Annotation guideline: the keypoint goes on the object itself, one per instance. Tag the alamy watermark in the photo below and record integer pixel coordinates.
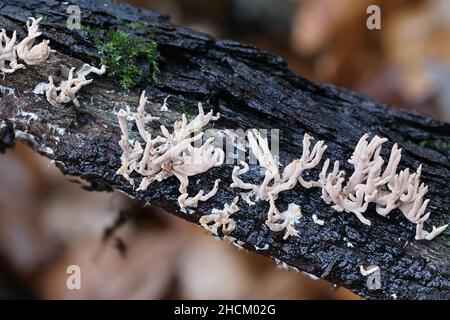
(373, 22)
(74, 19)
(234, 143)
(73, 281)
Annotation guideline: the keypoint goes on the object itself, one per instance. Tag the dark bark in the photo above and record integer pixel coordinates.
(251, 89)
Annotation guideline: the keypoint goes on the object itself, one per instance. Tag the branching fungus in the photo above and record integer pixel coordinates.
(66, 91)
(170, 154)
(8, 53)
(274, 182)
(29, 52)
(387, 189)
(221, 219)
(286, 220)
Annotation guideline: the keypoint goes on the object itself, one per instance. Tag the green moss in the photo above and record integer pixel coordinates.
(138, 25)
(189, 117)
(438, 143)
(443, 239)
(91, 30)
(45, 19)
(126, 55)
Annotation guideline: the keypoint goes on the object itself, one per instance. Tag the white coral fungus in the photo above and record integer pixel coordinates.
(318, 221)
(66, 91)
(26, 50)
(387, 189)
(171, 154)
(221, 219)
(8, 53)
(275, 182)
(286, 220)
(30, 52)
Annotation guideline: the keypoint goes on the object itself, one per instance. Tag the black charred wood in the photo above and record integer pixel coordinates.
(251, 89)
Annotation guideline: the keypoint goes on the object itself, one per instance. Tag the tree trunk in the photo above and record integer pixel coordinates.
(251, 89)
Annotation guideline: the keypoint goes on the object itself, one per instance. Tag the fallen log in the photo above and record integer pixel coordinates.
(251, 89)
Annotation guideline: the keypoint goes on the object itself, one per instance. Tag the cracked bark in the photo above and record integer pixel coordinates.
(251, 89)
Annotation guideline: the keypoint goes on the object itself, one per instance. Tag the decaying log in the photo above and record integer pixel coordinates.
(251, 89)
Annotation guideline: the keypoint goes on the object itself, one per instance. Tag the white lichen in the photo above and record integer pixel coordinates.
(29, 115)
(170, 154)
(275, 182)
(8, 91)
(56, 130)
(368, 184)
(221, 219)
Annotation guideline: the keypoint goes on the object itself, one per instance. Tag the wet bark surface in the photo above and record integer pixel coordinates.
(251, 89)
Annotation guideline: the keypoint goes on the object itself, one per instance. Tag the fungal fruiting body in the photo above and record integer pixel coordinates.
(30, 52)
(172, 154)
(33, 54)
(26, 50)
(275, 182)
(318, 221)
(8, 57)
(66, 91)
(286, 220)
(165, 106)
(368, 183)
(221, 219)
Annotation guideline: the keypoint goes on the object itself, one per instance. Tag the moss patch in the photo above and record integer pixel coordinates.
(140, 25)
(94, 31)
(184, 109)
(127, 56)
(444, 239)
(124, 55)
(434, 144)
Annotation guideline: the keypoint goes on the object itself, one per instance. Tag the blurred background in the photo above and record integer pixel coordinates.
(129, 251)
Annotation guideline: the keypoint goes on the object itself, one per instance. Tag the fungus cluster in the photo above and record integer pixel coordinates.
(275, 182)
(30, 52)
(221, 219)
(8, 56)
(172, 154)
(66, 91)
(370, 184)
(26, 50)
(33, 54)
